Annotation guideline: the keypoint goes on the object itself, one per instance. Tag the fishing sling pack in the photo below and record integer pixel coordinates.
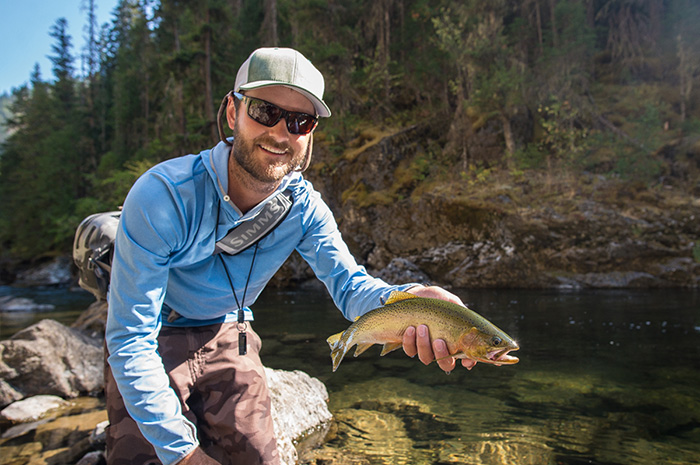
(93, 246)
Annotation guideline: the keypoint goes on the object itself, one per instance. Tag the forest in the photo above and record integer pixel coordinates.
(608, 87)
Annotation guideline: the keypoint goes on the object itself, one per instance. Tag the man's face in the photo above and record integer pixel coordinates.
(268, 154)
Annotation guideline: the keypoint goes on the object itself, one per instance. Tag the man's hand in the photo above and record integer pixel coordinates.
(417, 340)
(197, 457)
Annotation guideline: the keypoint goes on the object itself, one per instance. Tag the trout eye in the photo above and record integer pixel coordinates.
(496, 341)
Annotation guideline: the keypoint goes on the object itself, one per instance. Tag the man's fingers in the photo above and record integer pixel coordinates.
(409, 342)
(444, 361)
(468, 363)
(416, 341)
(425, 349)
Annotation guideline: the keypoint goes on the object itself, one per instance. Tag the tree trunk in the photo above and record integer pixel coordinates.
(509, 139)
(208, 92)
(268, 28)
(553, 23)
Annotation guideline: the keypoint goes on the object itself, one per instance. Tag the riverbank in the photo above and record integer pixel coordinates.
(493, 228)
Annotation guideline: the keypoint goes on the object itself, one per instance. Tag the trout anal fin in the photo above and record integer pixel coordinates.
(390, 347)
(362, 347)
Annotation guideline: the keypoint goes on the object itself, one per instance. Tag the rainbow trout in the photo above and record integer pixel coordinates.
(467, 334)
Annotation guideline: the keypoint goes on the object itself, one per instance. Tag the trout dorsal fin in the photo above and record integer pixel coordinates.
(398, 296)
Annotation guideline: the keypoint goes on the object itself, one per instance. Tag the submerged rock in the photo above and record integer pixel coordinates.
(22, 304)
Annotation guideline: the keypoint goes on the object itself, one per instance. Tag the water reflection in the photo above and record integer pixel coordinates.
(68, 304)
(605, 378)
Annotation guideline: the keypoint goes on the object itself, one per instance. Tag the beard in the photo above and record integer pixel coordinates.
(259, 169)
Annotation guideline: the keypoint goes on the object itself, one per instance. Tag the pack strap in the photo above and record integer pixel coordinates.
(250, 232)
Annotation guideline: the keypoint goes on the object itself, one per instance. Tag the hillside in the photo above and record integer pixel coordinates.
(522, 143)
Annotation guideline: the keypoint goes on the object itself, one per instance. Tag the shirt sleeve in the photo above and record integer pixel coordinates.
(353, 290)
(149, 228)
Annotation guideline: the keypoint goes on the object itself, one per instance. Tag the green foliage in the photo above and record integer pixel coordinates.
(638, 161)
(531, 157)
(563, 130)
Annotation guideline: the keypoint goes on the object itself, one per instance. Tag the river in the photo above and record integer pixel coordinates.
(605, 377)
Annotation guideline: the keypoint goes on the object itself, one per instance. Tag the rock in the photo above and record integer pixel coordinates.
(23, 428)
(22, 304)
(401, 270)
(31, 409)
(52, 273)
(617, 280)
(299, 408)
(93, 458)
(50, 358)
(8, 394)
(93, 320)
(98, 437)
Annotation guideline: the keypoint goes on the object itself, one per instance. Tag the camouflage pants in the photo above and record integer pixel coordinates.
(223, 394)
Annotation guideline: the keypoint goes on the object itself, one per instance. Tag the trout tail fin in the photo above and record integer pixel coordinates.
(337, 349)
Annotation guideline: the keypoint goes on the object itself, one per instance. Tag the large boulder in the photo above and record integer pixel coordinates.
(49, 358)
(299, 411)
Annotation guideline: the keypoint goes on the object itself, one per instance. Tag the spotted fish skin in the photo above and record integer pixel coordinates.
(466, 333)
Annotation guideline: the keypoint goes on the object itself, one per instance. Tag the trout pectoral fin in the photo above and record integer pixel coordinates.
(390, 347)
(457, 355)
(362, 347)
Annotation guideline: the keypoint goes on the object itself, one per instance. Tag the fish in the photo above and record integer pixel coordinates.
(466, 333)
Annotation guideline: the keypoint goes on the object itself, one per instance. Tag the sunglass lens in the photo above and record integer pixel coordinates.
(269, 114)
(300, 123)
(263, 112)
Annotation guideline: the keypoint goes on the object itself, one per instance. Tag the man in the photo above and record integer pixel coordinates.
(186, 384)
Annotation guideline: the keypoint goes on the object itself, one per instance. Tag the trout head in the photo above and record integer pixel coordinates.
(491, 346)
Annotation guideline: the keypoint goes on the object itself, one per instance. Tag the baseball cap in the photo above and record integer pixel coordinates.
(283, 67)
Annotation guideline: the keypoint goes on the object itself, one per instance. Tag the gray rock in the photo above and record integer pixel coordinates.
(31, 409)
(22, 304)
(93, 320)
(49, 358)
(92, 458)
(299, 407)
(401, 270)
(98, 437)
(52, 273)
(23, 428)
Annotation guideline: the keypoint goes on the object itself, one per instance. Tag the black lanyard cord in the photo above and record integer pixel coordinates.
(241, 318)
(241, 326)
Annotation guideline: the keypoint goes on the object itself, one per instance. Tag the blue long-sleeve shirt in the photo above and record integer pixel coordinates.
(163, 255)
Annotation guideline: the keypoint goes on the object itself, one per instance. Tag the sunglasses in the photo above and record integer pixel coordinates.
(268, 114)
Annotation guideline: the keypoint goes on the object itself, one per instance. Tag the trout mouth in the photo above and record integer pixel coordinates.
(501, 357)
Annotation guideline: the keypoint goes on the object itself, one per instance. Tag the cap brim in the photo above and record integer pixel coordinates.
(320, 106)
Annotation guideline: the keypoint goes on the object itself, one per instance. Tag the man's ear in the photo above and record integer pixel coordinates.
(226, 104)
(231, 111)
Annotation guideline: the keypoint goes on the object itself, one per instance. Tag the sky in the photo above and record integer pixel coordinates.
(25, 39)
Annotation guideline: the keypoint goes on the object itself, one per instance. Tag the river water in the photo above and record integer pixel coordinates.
(605, 377)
